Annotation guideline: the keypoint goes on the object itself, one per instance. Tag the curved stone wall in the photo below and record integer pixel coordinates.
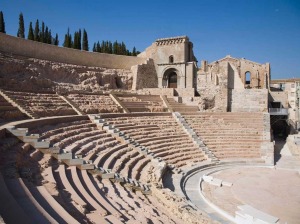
(28, 48)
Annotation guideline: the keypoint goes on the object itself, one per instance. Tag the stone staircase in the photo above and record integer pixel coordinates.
(196, 139)
(176, 106)
(119, 103)
(72, 104)
(22, 108)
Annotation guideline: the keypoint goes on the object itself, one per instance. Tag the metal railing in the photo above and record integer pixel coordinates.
(278, 111)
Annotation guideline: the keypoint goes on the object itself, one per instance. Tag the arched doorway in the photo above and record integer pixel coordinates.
(172, 80)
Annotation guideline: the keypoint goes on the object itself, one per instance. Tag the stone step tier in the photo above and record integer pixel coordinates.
(72, 160)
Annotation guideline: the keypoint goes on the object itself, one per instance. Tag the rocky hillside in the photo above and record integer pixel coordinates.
(29, 74)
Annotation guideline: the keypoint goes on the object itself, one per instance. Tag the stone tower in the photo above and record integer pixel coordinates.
(174, 60)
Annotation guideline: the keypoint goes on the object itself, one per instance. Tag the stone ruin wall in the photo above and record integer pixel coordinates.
(36, 75)
(221, 86)
(212, 86)
(145, 75)
(249, 100)
(32, 66)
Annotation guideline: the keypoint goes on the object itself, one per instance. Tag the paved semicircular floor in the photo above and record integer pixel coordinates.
(273, 191)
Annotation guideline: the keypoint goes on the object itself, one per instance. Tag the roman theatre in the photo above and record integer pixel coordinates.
(100, 138)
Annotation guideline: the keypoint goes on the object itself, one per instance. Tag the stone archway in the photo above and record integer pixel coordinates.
(171, 78)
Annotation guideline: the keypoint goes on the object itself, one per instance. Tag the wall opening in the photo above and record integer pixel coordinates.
(172, 80)
(171, 59)
(247, 78)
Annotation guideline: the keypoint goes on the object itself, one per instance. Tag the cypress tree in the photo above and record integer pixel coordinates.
(21, 30)
(65, 44)
(94, 48)
(123, 48)
(30, 32)
(68, 40)
(102, 46)
(2, 23)
(85, 42)
(56, 41)
(75, 46)
(48, 36)
(79, 39)
(43, 35)
(37, 31)
(98, 47)
(115, 47)
(134, 51)
(110, 47)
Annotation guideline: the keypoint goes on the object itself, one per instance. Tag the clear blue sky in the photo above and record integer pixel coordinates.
(258, 30)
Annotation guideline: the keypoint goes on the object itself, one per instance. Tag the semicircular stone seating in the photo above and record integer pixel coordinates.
(142, 103)
(161, 134)
(8, 112)
(229, 135)
(93, 104)
(83, 138)
(41, 104)
(58, 193)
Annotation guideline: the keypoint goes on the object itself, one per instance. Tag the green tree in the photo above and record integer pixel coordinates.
(21, 30)
(75, 45)
(48, 36)
(98, 47)
(123, 48)
(79, 39)
(56, 41)
(43, 35)
(94, 47)
(68, 40)
(115, 47)
(37, 31)
(110, 47)
(134, 51)
(85, 42)
(2, 23)
(30, 32)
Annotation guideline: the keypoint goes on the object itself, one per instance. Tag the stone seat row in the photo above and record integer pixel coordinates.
(95, 199)
(229, 135)
(93, 144)
(59, 153)
(164, 138)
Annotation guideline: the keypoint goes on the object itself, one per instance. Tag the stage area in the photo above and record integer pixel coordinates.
(273, 191)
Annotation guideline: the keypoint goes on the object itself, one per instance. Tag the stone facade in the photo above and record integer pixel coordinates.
(287, 91)
(144, 75)
(174, 60)
(169, 63)
(224, 82)
(248, 100)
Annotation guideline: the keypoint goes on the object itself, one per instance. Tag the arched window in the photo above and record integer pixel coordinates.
(171, 59)
(247, 78)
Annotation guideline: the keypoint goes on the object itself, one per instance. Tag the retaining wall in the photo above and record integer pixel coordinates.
(33, 49)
